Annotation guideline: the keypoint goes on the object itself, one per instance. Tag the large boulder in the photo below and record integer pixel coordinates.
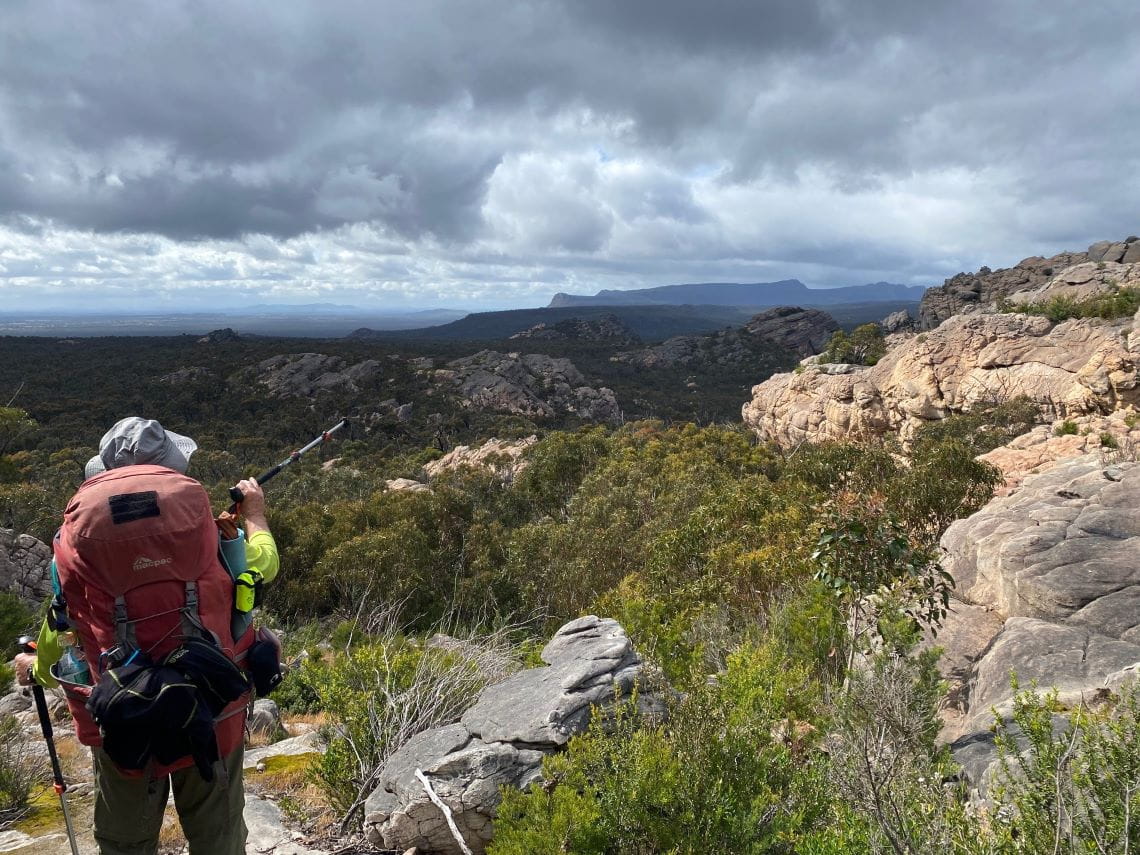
(609, 329)
(25, 567)
(531, 384)
(505, 458)
(501, 741)
(1055, 569)
(1071, 368)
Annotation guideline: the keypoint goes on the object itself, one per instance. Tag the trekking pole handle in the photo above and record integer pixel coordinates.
(236, 494)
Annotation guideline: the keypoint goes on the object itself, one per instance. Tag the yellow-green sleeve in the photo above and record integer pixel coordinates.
(261, 554)
(48, 652)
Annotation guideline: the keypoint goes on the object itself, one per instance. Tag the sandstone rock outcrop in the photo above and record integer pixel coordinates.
(304, 375)
(971, 293)
(25, 567)
(1057, 563)
(786, 328)
(182, 376)
(1072, 368)
(500, 741)
(608, 328)
(1081, 282)
(500, 456)
(530, 384)
(1113, 438)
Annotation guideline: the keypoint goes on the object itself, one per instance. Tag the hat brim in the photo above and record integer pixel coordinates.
(94, 467)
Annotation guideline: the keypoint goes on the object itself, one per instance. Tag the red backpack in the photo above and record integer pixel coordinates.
(137, 558)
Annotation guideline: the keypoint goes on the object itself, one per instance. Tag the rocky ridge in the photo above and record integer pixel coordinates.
(971, 293)
(788, 328)
(501, 741)
(530, 384)
(609, 329)
(1077, 367)
(304, 375)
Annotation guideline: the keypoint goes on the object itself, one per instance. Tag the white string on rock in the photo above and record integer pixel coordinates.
(446, 812)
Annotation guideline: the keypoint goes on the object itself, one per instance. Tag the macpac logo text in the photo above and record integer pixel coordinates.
(144, 563)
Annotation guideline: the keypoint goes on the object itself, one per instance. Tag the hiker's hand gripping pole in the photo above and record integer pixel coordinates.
(237, 494)
(27, 645)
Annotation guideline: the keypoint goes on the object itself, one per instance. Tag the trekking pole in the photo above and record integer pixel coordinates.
(27, 645)
(237, 495)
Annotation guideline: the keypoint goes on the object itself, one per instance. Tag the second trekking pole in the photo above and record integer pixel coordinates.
(28, 646)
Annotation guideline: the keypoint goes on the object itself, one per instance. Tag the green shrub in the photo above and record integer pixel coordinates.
(863, 555)
(1116, 303)
(720, 776)
(1066, 428)
(985, 427)
(1107, 440)
(16, 619)
(21, 770)
(865, 346)
(893, 789)
(1073, 789)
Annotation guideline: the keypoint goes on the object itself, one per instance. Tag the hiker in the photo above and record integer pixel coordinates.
(207, 785)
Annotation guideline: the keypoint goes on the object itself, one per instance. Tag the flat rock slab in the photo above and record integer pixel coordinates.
(267, 831)
(306, 743)
(1061, 544)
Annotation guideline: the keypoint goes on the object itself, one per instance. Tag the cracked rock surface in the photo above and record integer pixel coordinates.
(500, 741)
(530, 384)
(25, 567)
(1055, 568)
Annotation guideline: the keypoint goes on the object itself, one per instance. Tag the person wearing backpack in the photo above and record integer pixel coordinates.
(150, 608)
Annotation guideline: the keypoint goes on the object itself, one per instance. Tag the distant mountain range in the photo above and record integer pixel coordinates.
(650, 322)
(786, 292)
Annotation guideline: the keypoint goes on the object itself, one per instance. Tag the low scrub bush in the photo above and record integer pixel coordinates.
(21, 770)
(1073, 789)
(381, 693)
(721, 775)
(1117, 303)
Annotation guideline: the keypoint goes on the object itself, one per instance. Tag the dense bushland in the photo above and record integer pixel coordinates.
(751, 579)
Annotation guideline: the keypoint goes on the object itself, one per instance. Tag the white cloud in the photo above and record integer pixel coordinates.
(493, 153)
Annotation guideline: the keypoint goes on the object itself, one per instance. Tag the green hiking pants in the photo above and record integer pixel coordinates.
(128, 811)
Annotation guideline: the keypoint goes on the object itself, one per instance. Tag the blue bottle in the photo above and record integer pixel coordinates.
(72, 667)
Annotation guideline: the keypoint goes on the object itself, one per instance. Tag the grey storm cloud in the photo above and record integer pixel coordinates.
(576, 135)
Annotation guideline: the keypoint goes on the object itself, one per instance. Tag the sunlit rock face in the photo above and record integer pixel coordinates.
(1077, 367)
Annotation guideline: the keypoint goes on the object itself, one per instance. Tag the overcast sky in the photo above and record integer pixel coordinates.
(491, 153)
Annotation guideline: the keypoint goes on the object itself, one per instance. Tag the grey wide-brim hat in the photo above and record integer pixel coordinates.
(133, 440)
